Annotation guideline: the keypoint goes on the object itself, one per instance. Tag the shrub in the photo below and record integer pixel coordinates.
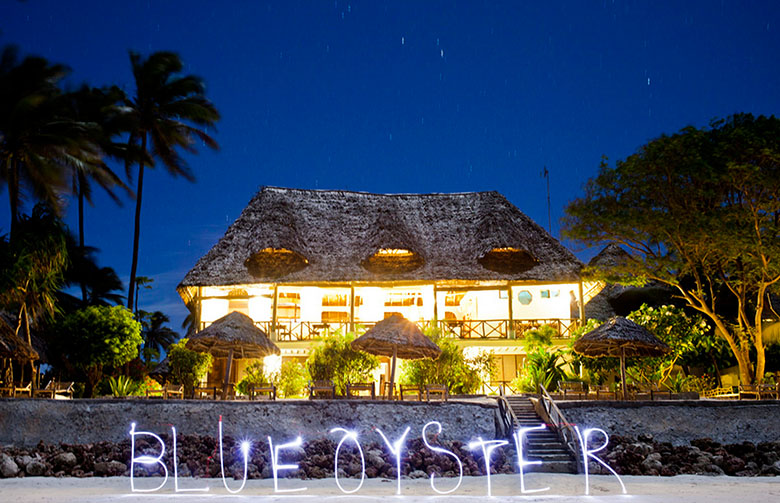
(461, 375)
(122, 386)
(292, 379)
(253, 376)
(335, 360)
(188, 367)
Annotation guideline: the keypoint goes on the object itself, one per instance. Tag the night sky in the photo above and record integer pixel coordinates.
(401, 96)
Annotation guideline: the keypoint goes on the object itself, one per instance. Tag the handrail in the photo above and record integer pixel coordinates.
(561, 425)
(506, 416)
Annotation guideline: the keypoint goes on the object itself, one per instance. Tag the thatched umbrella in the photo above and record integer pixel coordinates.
(14, 347)
(620, 337)
(397, 337)
(233, 334)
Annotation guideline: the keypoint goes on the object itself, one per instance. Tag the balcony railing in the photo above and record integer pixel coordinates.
(292, 330)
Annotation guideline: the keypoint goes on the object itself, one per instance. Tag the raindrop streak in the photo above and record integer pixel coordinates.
(402, 40)
(442, 53)
(648, 81)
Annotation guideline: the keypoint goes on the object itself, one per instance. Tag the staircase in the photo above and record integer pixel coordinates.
(542, 445)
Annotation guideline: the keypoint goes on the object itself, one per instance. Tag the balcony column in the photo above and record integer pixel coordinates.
(199, 310)
(582, 305)
(510, 329)
(273, 313)
(435, 306)
(351, 307)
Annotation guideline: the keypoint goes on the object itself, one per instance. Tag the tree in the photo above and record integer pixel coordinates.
(38, 139)
(188, 367)
(164, 106)
(98, 108)
(100, 285)
(97, 337)
(157, 337)
(699, 211)
(32, 267)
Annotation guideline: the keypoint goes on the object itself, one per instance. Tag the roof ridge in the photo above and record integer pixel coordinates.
(367, 193)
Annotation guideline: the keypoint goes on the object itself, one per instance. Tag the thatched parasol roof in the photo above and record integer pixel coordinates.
(236, 332)
(399, 333)
(619, 336)
(13, 346)
(334, 236)
(162, 370)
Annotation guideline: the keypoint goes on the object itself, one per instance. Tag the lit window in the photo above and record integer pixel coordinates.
(524, 297)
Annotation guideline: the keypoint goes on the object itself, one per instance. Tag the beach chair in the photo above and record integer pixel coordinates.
(173, 391)
(436, 389)
(63, 390)
(357, 387)
(47, 391)
(386, 391)
(262, 389)
(23, 389)
(409, 390)
(321, 389)
(602, 392)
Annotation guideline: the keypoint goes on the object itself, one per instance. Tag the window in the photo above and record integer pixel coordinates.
(453, 299)
(289, 305)
(334, 299)
(524, 297)
(403, 299)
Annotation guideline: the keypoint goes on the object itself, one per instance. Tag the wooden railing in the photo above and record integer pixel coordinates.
(293, 330)
(560, 424)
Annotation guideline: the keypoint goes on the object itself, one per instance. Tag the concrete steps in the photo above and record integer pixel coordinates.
(541, 445)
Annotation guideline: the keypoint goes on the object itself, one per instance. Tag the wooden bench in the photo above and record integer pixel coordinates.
(602, 393)
(357, 387)
(770, 391)
(176, 390)
(436, 389)
(319, 388)
(262, 389)
(572, 390)
(748, 390)
(204, 392)
(409, 389)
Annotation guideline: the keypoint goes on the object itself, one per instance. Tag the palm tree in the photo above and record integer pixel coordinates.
(167, 112)
(37, 138)
(32, 265)
(100, 109)
(157, 338)
(102, 284)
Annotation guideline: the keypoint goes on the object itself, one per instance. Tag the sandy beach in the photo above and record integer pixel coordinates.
(563, 488)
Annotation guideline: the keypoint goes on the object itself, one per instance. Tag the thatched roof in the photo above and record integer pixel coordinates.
(299, 236)
(13, 346)
(399, 333)
(234, 331)
(617, 335)
(610, 256)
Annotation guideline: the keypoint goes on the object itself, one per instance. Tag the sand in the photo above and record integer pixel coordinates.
(563, 488)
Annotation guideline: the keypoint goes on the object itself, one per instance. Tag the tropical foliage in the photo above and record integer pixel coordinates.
(167, 113)
(698, 211)
(462, 375)
(97, 337)
(334, 359)
(188, 367)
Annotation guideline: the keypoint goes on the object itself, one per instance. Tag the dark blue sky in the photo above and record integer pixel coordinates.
(402, 96)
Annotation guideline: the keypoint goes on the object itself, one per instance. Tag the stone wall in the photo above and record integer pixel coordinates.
(679, 422)
(25, 422)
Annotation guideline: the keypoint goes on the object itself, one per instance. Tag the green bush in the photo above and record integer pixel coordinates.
(461, 375)
(292, 379)
(335, 360)
(541, 367)
(253, 376)
(96, 337)
(188, 367)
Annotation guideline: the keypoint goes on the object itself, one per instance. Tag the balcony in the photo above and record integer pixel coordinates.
(291, 330)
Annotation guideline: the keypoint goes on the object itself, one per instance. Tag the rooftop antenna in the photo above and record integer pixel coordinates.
(546, 175)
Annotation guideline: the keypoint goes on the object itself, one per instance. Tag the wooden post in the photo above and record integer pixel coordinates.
(352, 308)
(435, 306)
(582, 305)
(273, 312)
(226, 382)
(392, 372)
(623, 372)
(199, 310)
(510, 329)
